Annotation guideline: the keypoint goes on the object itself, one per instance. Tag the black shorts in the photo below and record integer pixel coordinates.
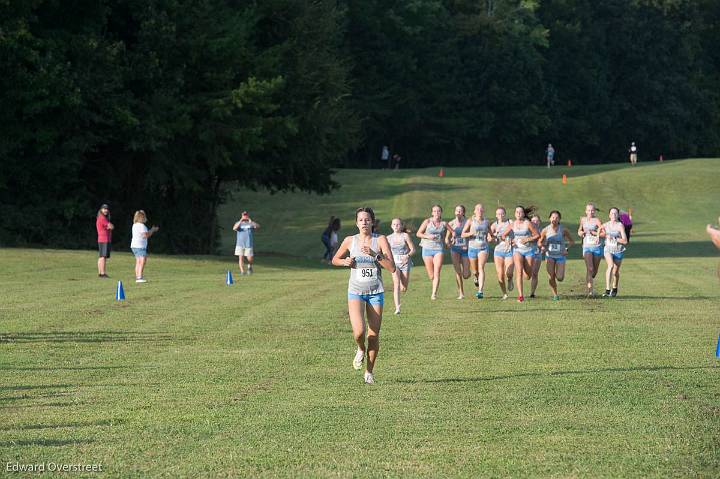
(104, 250)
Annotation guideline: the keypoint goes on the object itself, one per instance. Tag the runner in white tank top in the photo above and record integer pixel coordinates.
(554, 241)
(589, 231)
(526, 236)
(459, 249)
(402, 249)
(615, 241)
(537, 258)
(477, 231)
(432, 239)
(502, 253)
(365, 254)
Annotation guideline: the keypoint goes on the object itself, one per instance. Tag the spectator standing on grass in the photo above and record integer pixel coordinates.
(396, 161)
(139, 243)
(330, 239)
(384, 157)
(550, 155)
(244, 241)
(104, 233)
(633, 153)
(715, 238)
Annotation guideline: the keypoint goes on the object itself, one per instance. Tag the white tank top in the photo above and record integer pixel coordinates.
(590, 240)
(366, 275)
(612, 235)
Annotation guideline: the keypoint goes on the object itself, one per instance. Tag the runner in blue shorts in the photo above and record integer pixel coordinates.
(525, 236)
(589, 231)
(432, 234)
(502, 254)
(365, 254)
(458, 249)
(537, 257)
(402, 249)
(615, 241)
(477, 230)
(554, 241)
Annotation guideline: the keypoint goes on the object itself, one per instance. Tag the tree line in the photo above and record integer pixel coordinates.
(160, 104)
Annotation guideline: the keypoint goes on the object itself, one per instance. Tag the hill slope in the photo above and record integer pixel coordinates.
(671, 201)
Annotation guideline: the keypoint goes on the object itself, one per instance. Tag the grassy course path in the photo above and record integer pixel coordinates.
(189, 377)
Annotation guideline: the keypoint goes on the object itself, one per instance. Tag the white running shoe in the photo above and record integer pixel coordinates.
(433, 297)
(369, 378)
(140, 280)
(504, 296)
(358, 360)
(460, 297)
(397, 310)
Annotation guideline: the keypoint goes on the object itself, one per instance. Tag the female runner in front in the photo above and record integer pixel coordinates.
(523, 251)
(478, 230)
(502, 254)
(432, 234)
(367, 253)
(554, 241)
(458, 249)
(402, 248)
(615, 240)
(537, 258)
(589, 231)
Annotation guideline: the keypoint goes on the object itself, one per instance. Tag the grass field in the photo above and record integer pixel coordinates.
(191, 378)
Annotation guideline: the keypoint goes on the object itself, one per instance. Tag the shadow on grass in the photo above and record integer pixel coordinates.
(33, 427)
(52, 404)
(87, 368)
(44, 442)
(553, 373)
(85, 337)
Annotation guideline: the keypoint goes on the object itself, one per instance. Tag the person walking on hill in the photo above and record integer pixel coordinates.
(385, 157)
(244, 242)
(139, 244)
(104, 238)
(550, 155)
(366, 254)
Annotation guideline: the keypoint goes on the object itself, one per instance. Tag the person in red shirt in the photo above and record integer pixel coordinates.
(104, 232)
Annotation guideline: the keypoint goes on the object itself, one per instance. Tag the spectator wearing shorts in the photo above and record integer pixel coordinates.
(104, 238)
(139, 243)
(244, 241)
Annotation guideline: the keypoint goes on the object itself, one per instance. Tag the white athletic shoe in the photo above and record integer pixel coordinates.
(369, 378)
(140, 280)
(504, 296)
(460, 297)
(433, 297)
(397, 310)
(358, 360)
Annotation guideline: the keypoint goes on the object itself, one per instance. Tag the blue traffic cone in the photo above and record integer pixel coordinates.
(120, 293)
(717, 350)
(228, 278)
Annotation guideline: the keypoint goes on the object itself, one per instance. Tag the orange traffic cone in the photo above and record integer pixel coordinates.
(441, 173)
(564, 179)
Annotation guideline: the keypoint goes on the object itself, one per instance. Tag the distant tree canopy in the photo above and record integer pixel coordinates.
(156, 104)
